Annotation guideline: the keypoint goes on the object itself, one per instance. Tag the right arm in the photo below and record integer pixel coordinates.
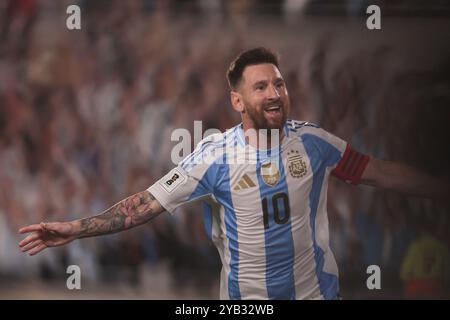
(128, 213)
(173, 190)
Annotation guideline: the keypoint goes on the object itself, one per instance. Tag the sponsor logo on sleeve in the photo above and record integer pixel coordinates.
(172, 180)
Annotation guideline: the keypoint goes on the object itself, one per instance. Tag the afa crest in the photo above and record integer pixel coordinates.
(296, 164)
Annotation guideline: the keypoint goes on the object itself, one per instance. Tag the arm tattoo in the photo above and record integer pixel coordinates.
(130, 212)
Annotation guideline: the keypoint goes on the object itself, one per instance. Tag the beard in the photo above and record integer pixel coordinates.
(263, 120)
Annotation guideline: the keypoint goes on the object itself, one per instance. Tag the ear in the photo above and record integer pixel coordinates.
(236, 101)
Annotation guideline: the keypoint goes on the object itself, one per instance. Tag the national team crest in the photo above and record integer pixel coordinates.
(270, 173)
(296, 164)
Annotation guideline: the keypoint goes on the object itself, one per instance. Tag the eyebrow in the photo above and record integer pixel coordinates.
(278, 79)
(259, 83)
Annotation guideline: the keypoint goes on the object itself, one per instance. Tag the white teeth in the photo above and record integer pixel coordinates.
(273, 108)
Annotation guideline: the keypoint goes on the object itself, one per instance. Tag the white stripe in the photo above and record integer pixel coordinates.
(322, 232)
(306, 282)
(218, 236)
(335, 141)
(250, 226)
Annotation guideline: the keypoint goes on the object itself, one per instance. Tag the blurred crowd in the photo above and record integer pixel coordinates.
(86, 118)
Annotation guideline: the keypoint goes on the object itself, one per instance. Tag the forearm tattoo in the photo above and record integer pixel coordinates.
(132, 211)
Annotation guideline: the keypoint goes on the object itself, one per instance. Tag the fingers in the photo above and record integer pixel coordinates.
(37, 249)
(32, 237)
(31, 228)
(31, 245)
(43, 235)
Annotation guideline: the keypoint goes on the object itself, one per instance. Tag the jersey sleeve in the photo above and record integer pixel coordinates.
(192, 179)
(351, 166)
(347, 164)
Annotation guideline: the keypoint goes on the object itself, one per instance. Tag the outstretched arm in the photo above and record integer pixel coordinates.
(130, 212)
(404, 179)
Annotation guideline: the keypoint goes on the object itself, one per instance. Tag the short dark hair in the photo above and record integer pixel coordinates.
(247, 58)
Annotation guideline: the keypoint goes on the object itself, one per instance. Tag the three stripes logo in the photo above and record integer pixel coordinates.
(244, 183)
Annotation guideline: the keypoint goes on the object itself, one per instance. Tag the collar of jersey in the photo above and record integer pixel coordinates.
(262, 153)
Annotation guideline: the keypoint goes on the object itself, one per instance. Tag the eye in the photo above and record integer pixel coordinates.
(280, 85)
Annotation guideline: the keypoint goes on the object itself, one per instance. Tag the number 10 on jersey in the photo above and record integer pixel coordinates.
(279, 203)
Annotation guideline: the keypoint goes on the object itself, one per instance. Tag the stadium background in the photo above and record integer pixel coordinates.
(86, 117)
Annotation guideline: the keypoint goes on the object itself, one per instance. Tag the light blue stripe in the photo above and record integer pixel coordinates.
(216, 180)
(223, 195)
(279, 244)
(286, 129)
(206, 183)
(321, 155)
(207, 219)
(204, 187)
(186, 161)
(193, 159)
(197, 157)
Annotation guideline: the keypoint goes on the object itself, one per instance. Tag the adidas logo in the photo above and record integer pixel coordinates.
(244, 183)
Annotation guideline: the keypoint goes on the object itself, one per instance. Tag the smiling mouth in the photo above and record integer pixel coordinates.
(273, 109)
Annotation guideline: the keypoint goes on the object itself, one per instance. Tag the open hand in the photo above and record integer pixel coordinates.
(44, 235)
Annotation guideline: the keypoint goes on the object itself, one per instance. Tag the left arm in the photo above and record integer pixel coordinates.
(404, 179)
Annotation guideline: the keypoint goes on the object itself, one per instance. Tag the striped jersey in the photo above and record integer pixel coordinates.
(266, 210)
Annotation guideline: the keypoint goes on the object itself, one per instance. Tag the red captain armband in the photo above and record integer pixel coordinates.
(351, 166)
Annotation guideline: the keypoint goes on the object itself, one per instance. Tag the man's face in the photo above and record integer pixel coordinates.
(265, 97)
